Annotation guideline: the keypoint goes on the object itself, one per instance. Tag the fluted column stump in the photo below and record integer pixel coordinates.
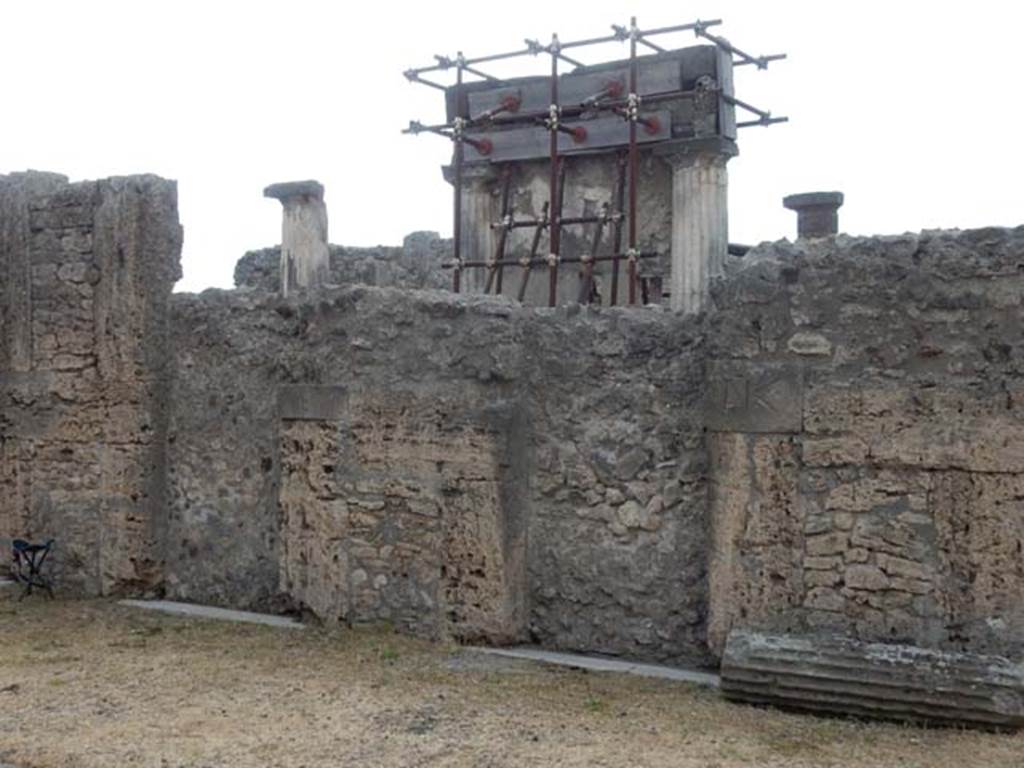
(842, 676)
(305, 259)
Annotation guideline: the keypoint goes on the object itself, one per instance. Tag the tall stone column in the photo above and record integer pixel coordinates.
(478, 212)
(477, 215)
(305, 260)
(700, 226)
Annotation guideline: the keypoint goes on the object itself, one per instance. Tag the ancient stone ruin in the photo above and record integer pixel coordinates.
(832, 446)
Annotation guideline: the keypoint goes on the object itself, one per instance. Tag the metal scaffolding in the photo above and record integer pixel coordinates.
(610, 99)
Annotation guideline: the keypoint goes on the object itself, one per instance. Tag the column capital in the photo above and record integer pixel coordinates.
(287, 190)
(683, 154)
(471, 174)
(817, 212)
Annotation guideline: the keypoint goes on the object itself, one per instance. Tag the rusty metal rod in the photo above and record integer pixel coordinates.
(533, 47)
(443, 62)
(457, 224)
(535, 261)
(570, 220)
(413, 77)
(611, 257)
(761, 60)
(634, 160)
(482, 145)
(744, 105)
(763, 121)
(500, 56)
(499, 251)
(591, 41)
(553, 180)
(650, 123)
(566, 111)
(574, 110)
(612, 89)
(508, 104)
(620, 201)
(678, 28)
(567, 60)
(533, 253)
(587, 281)
(555, 49)
(652, 46)
(478, 73)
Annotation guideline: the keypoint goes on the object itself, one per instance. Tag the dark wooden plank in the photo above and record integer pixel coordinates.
(532, 143)
(573, 88)
(694, 62)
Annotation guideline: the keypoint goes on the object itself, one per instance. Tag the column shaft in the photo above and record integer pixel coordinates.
(478, 241)
(700, 228)
(305, 258)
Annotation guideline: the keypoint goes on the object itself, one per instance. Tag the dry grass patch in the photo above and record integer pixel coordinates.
(96, 684)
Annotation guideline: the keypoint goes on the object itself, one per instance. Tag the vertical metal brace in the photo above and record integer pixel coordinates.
(503, 224)
(459, 130)
(587, 278)
(553, 185)
(633, 114)
(620, 214)
(527, 263)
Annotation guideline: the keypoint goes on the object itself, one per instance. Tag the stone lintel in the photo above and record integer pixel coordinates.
(305, 402)
(754, 397)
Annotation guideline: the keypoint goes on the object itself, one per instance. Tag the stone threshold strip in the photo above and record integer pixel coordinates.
(574, 660)
(210, 612)
(604, 664)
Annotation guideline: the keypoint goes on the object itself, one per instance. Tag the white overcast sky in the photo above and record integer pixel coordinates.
(911, 108)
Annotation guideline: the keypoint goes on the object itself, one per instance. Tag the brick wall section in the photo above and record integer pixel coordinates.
(88, 271)
(867, 405)
(417, 263)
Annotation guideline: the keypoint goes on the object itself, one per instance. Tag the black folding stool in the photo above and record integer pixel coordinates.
(28, 566)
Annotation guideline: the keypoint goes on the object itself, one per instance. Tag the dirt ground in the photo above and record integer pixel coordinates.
(97, 684)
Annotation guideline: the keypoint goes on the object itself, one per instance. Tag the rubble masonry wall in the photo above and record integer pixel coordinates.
(837, 447)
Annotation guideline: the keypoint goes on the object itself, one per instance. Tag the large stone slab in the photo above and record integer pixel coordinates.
(891, 682)
(754, 397)
(304, 402)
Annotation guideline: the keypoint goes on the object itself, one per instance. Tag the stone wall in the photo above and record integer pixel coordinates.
(866, 402)
(618, 527)
(416, 264)
(87, 272)
(837, 447)
(456, 465)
